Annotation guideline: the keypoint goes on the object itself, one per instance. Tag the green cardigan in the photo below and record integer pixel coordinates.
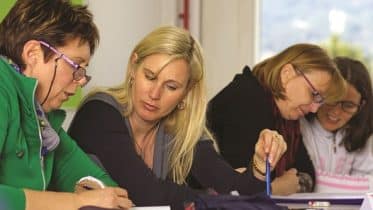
(21, 165)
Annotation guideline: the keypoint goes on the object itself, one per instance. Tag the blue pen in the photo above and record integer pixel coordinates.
(268, 176)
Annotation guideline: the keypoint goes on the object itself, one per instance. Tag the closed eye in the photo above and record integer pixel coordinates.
(171, 87)
(150, 75)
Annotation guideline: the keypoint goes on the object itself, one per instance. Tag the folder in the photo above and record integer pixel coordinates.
(368, 202)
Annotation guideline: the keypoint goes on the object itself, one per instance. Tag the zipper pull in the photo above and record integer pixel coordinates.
(334, 144)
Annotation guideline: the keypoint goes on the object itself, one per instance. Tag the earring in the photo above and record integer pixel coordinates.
(131, 81)
(181, 105)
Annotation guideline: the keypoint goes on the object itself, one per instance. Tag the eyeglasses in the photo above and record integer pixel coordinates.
(79, 72)
(316, 96)
(347, 106)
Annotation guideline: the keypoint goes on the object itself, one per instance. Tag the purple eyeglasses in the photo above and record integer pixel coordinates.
(79, 72)
(316, 96)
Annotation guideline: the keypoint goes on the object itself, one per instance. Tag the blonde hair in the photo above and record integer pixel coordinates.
(186, 125)
(306, 58)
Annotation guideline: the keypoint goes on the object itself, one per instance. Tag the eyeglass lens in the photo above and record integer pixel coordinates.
(346, 106)
(78, 71)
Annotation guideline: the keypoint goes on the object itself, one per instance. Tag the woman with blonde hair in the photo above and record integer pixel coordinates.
(150, 133)
(274, 95)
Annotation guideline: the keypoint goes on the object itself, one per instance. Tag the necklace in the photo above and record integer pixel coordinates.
(148, 146)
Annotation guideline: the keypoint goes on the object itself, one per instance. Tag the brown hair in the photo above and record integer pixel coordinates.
(52, 21)
(360, 126)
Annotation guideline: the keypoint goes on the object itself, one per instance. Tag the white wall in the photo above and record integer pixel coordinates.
(122, 23)
(228, 38)
(226, 32)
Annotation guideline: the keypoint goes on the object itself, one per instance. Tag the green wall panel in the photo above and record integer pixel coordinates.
(5, 6)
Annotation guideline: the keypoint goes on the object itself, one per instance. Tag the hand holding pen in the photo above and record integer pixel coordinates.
(92, 192)
(268, 176)
(269, 148)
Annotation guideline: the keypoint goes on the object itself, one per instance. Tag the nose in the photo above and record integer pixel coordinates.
(314, 107)
(155, 91)
(82, 82)
(337, 110)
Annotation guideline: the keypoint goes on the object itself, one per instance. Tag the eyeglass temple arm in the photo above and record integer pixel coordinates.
(60, 54)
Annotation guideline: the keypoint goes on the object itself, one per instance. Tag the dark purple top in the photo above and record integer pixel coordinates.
(101, 130)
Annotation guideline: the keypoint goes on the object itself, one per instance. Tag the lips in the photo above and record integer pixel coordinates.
(332, 118)
(67, 95)
(302, 112)
(150, 107)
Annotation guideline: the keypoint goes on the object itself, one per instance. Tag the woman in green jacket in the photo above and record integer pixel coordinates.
(44, 47)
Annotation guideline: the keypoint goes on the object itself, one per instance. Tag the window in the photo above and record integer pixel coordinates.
(341, 27)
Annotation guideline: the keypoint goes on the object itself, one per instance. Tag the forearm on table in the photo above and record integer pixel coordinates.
(47, 200)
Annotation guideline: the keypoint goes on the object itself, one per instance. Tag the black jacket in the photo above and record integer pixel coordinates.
(237, 114)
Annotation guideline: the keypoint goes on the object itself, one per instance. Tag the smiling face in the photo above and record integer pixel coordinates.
(63, 85)
(158, 89)
(333, 118)
(299, 99)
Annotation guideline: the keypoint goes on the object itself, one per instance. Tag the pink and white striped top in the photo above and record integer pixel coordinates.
(336, 169)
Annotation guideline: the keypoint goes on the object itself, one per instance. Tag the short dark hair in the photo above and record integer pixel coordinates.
(360, 126)
(53, 21)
